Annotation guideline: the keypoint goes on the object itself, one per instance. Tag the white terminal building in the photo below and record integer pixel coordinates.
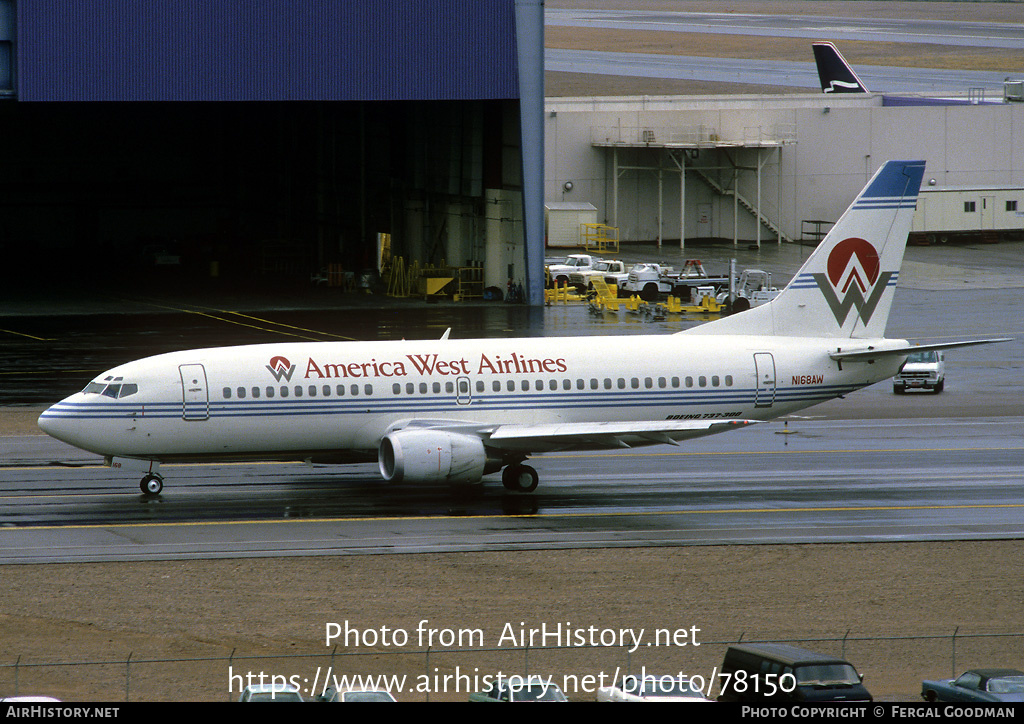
(765, 168)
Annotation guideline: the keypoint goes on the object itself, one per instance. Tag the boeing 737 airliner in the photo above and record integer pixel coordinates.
(453, 411)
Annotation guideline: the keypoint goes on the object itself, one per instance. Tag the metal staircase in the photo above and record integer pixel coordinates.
(722, 191)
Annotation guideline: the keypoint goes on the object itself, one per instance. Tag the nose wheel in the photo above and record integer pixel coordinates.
(152, 484)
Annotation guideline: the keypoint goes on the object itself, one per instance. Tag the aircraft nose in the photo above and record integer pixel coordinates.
(56, 423)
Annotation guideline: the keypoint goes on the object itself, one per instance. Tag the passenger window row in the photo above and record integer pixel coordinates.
(607, 383)
(297, 391)
(422, 388)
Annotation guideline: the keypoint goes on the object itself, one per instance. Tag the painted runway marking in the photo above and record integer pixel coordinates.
(533, 516)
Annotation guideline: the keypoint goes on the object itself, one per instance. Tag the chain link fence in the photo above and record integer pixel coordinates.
(893, 667)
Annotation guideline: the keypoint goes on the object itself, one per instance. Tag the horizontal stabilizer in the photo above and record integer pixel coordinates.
(902, 350)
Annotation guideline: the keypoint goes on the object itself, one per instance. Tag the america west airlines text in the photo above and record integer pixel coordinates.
(431, 364)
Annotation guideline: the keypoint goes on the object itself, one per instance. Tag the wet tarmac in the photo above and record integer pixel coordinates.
(945, 294)
(825, 482)
(52, 345)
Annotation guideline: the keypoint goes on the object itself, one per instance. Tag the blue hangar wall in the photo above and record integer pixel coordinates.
(271, 137)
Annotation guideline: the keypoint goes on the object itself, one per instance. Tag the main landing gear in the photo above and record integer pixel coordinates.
(519, 478)
(152, 484)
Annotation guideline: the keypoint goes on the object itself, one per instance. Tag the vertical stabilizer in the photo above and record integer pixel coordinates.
(846, 286)
(834, 72)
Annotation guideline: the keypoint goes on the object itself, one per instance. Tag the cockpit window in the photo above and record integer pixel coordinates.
(111, 387)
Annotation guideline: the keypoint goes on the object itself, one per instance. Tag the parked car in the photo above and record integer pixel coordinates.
(358, 695)
(651, 688)
(271, 692)
(977, 685)
(780, 673)
(533, 688)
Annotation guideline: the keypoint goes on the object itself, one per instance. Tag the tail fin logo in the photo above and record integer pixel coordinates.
(853, 278)
(839, 86)
(281, 368)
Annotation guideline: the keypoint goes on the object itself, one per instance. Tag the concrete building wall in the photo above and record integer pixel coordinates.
(829, 148)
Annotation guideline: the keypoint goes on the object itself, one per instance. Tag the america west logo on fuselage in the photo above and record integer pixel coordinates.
(281, 368)
(853, 278)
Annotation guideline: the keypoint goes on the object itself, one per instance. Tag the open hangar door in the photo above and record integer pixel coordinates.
(271, 191)
(217, 140)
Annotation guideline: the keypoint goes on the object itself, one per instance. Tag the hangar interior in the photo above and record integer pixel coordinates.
(274, 189)
(168, 143)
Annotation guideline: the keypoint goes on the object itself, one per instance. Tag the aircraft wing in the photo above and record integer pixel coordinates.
(599, 435)
(903, 350)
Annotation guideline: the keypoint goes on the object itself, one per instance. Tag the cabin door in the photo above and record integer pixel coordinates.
(195, 398)
(764, 368)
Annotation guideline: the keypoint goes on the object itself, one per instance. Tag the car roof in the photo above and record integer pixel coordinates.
(787, 654)
(995, 673)
(277, 687)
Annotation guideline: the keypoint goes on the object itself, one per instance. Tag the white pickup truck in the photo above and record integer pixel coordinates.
(611, 270)
(573, 263)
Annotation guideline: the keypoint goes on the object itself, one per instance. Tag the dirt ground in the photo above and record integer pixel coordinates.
(898, 605)
(194, 615)
(858, 53)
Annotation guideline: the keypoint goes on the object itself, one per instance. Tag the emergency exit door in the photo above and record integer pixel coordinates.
(463, 391)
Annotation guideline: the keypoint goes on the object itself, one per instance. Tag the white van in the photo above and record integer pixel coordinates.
(924, 370)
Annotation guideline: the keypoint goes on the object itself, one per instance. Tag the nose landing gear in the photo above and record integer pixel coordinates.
(152, 484)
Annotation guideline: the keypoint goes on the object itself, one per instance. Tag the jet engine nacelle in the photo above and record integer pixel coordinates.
(432, 456)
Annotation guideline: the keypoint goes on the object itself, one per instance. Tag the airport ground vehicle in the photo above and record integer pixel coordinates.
(923, 370)
(753, 289)
(650, 688)
(780, 672)
(611, 270)
(559, 273)
(977, 685)
(650, 280)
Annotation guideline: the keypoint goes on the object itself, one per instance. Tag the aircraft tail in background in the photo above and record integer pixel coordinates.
(834, 72)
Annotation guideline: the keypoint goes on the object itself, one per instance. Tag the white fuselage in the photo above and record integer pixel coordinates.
(329, 400)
